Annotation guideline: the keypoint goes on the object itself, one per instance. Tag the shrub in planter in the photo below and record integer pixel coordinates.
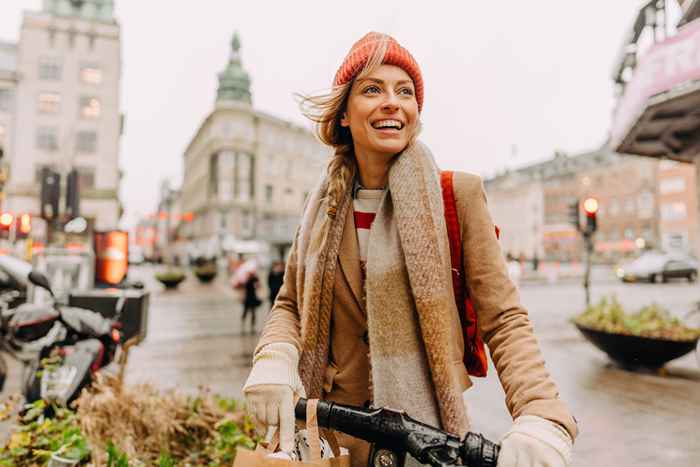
(648, 338)
(206, 272)
(170, 278)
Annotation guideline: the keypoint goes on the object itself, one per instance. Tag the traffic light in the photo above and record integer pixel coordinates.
(23, 226)
(590, 207)
(73, 195)
(50, 193)
(6, 220)
(573, 214)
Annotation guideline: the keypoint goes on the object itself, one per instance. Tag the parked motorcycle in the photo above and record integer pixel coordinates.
(394, 434)
(61, 347)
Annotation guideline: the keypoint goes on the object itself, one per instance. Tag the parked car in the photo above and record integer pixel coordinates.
(659, 267)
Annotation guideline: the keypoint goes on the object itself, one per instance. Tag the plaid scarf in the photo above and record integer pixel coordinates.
(409, 293)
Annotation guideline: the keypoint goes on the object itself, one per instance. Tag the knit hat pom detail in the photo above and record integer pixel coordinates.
(395, 55)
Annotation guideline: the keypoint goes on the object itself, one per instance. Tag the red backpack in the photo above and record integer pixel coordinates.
(474, 351)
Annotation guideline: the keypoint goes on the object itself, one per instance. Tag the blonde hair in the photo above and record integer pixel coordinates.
(326, 109)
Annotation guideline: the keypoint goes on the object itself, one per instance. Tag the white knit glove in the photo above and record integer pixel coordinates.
(271, 386)
(535, 442)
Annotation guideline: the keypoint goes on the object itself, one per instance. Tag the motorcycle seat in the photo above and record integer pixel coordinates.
(86, 322)
(28, 314)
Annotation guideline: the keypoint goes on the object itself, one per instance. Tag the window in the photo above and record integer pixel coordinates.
(246, 223)
(90, 107)
(86, 142)
(86, 178)
(667, 164)
(614, 206)
(50, 69)
(213, 175)
(47, 138)
(5, 99)
(629, 234)
(673, 211)
(268, 193)
(645, 205)
(672, 185)
(629, 205)
(90, 74)
(244, 176)
(49, 102)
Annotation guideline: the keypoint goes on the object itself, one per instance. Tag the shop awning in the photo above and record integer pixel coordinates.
(659, 113)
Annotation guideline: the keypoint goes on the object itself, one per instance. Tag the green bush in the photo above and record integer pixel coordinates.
(652, 321)
(170, 275)
(209, 429)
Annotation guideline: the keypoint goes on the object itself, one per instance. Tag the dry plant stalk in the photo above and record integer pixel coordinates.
(144, 422)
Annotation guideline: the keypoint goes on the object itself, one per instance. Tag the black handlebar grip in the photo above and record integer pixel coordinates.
(322, 411)
(479, 451)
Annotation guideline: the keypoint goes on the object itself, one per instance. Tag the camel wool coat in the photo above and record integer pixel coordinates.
(503, 322)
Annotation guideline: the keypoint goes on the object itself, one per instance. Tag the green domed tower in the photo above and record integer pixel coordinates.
(234, 81)
(91, 10)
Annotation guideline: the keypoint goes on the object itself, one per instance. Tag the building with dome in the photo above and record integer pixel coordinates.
(246, 173)
(59, 106)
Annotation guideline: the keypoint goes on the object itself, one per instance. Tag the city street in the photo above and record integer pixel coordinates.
(625, 418)
(194, 339)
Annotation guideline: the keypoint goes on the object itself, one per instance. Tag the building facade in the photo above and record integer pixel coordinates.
(657, 78)
(246, 173)
(516, 203)
(8, 90)
(642, 204)
(678, 207)
(66, 107)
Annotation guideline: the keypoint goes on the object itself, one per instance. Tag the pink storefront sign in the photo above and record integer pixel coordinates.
(666, 65)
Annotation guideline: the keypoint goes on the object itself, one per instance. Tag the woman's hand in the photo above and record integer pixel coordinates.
(271, 388)
(535, 442)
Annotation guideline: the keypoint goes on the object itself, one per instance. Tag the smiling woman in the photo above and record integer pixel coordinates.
(367, 312)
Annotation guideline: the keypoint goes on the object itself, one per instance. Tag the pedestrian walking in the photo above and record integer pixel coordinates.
(367, 313)
(515, 269)
(274, 279)
(251, 301)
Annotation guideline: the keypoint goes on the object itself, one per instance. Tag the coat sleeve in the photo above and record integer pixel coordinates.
(283, 323)
(503, 322)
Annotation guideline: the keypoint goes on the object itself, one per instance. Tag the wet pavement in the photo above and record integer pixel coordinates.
(626, 418)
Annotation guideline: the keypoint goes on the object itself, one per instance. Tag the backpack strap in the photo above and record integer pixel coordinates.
(474, 352)
(453, 233)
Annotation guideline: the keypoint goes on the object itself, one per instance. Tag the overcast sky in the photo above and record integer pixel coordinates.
(498, 74)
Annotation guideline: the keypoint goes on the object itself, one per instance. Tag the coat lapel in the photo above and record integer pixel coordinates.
(349, 256)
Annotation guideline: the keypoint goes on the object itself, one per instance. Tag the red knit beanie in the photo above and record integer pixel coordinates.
(395, 55)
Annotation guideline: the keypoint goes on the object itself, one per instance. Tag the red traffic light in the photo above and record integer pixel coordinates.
(590, 205)
(6, 219)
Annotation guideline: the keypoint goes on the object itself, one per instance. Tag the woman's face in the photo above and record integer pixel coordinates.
(382, 112)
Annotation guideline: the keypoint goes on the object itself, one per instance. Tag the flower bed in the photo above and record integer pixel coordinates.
(133, 426)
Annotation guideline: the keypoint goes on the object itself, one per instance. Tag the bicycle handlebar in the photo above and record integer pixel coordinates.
(394, 434)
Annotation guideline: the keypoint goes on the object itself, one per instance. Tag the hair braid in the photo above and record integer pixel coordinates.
(341, 170)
